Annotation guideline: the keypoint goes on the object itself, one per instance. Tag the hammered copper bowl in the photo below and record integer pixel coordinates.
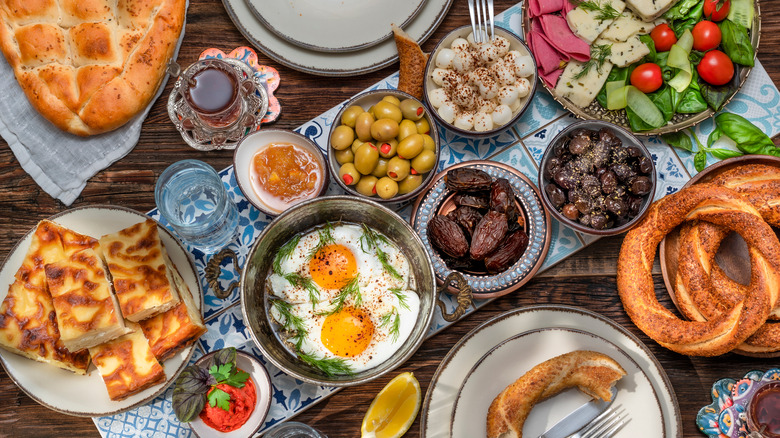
(628, 139)
(303, 217)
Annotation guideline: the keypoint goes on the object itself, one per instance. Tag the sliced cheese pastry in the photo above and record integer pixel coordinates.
(127, 364)
(171, 331)
(28, 321)
(142, 275)
(87, 312)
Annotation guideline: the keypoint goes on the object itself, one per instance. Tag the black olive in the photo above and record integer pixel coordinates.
(559, 148)
(553, 164)
(634, 205)
(615, 205)
(640, 185)
(571, 212)
(606, 135)
(645, 165)
(623, 171)
(608, 182)
(598, 221)
(600, 153)
(566, 179)
(579, 144)
(585, 220)
(555, 194)
(591, 185)
(619, 155)
(634, 152)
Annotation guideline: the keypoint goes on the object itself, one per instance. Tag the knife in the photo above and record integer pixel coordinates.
(579, 418)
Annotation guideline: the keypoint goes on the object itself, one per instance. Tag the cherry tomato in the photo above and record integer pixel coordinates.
(706, 36)
(663, 37)
(647, 77)
(716, 10)
(716, 68)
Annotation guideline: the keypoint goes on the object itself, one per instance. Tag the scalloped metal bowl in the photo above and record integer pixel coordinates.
(428, 85)
(679, 122)
(301, 218)
(628, 139)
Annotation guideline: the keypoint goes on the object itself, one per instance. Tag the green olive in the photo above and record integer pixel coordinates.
(381, 168)
(392, 99)
(387, 110)
(422, 126)
(386, 188)
(412, 109)
(371, 111)
(356, 145)
(428, 143)
(366, 158)
(349, 174)
(349, 117)
(409, 183)
(367, 185)
(424, 161)
(345, 156)
(388, 148)
(406, 128)
(398, 168)
(411, 146)
(363, 126)
(341, 137)
(384, 129)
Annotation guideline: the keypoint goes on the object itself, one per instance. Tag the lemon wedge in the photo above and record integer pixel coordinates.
(394, 409)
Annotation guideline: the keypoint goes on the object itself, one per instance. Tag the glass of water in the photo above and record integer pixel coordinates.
(293, 429)
(191, 197)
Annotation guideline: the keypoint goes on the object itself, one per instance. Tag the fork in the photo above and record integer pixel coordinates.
(481, 11)
(605, 425)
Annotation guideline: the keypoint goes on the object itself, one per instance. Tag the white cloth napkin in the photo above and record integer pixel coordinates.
(59, 162)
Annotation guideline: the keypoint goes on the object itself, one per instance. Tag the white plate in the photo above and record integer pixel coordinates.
(327, 63)
(67, 392)
(335, 25)
(491, 375)
(454, 370)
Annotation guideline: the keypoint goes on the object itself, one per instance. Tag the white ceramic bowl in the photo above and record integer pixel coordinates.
(259, 140)
(515, 43)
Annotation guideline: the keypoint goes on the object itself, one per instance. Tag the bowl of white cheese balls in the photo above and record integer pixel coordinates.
(479, 89)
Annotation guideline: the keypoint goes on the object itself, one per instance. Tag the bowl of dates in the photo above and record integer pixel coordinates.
(597, 178)
(486, 221)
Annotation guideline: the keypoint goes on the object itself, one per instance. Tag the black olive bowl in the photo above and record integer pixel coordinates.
(627, 139)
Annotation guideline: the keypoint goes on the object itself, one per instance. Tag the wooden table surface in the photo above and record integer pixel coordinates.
(586, 279)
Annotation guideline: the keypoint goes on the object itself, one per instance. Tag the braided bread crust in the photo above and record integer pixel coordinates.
(723, 333)
(593, 373)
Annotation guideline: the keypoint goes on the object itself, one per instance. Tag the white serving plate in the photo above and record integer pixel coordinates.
(461, 371)
(65, 391)
(329, 63)
(335, 25)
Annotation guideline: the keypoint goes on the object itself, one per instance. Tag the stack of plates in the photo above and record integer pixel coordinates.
(334, 37)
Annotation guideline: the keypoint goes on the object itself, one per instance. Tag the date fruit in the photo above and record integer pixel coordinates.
(466, 217)
(471, 200)
(508, 253)
(466, 179)
(446, 235)
(488, 235)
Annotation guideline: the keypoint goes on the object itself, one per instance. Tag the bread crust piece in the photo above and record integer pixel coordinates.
(593, 373)
(89, 66)
(413, 60)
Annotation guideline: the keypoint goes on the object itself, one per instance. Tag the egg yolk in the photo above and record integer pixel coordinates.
(333, 266)
(347, 332)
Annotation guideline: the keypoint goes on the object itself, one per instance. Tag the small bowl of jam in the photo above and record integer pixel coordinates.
(763, 411)
(276, 169)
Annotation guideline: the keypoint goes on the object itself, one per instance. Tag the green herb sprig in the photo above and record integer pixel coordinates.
(329, 366)
(307, 284)
(599, 54)
(368, 241)
(227, 374)
(605, 11)
(393, 319)
(285, 252)
(292, 323)
(352, 289)
(401, 296)
(326, 238)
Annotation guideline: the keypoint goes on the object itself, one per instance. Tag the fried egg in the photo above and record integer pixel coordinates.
(343, 292)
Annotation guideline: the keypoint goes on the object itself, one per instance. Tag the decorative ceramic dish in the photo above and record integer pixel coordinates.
(437, 199)
(86, 396)
(680, 121)
(263, 391)
(316, 25)
(732, 255)
(724, 417)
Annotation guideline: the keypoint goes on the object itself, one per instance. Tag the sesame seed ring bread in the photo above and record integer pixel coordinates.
(715, 336)
(593, 373)
(89, 66)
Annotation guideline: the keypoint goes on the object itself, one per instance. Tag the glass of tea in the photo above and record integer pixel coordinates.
(763, 411)
(213, 90)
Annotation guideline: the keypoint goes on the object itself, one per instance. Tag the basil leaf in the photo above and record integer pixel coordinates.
(680, 10)
(189, 394)
(223, 356)
(716, 96)
(648, 40)
(700, 160)
(679, 139)
(714, 136)
(748, 137)
(692, 102)
(736, 43)
(723, 154)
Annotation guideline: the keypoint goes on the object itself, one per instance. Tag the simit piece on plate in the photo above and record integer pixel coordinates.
(412, 58)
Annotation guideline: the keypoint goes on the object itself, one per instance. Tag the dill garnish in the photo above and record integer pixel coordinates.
(400, 296)
(307, 284)
(605, 10)
(329, 366)
(369, 240)
(285, 252)
(326, 238)
(392, 318)
(351, 289)
(292, 323)
(598, 56)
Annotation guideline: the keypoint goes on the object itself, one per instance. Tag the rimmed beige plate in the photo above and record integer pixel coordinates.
(86, 396)
(679, 121)
(328, 63)
(546, 331)
(732, 255)
(335, 25)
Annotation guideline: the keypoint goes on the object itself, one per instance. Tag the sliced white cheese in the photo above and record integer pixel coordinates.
(626, 26)
(584, 23)
(627, 52)
(583, 90)
(649, 10)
